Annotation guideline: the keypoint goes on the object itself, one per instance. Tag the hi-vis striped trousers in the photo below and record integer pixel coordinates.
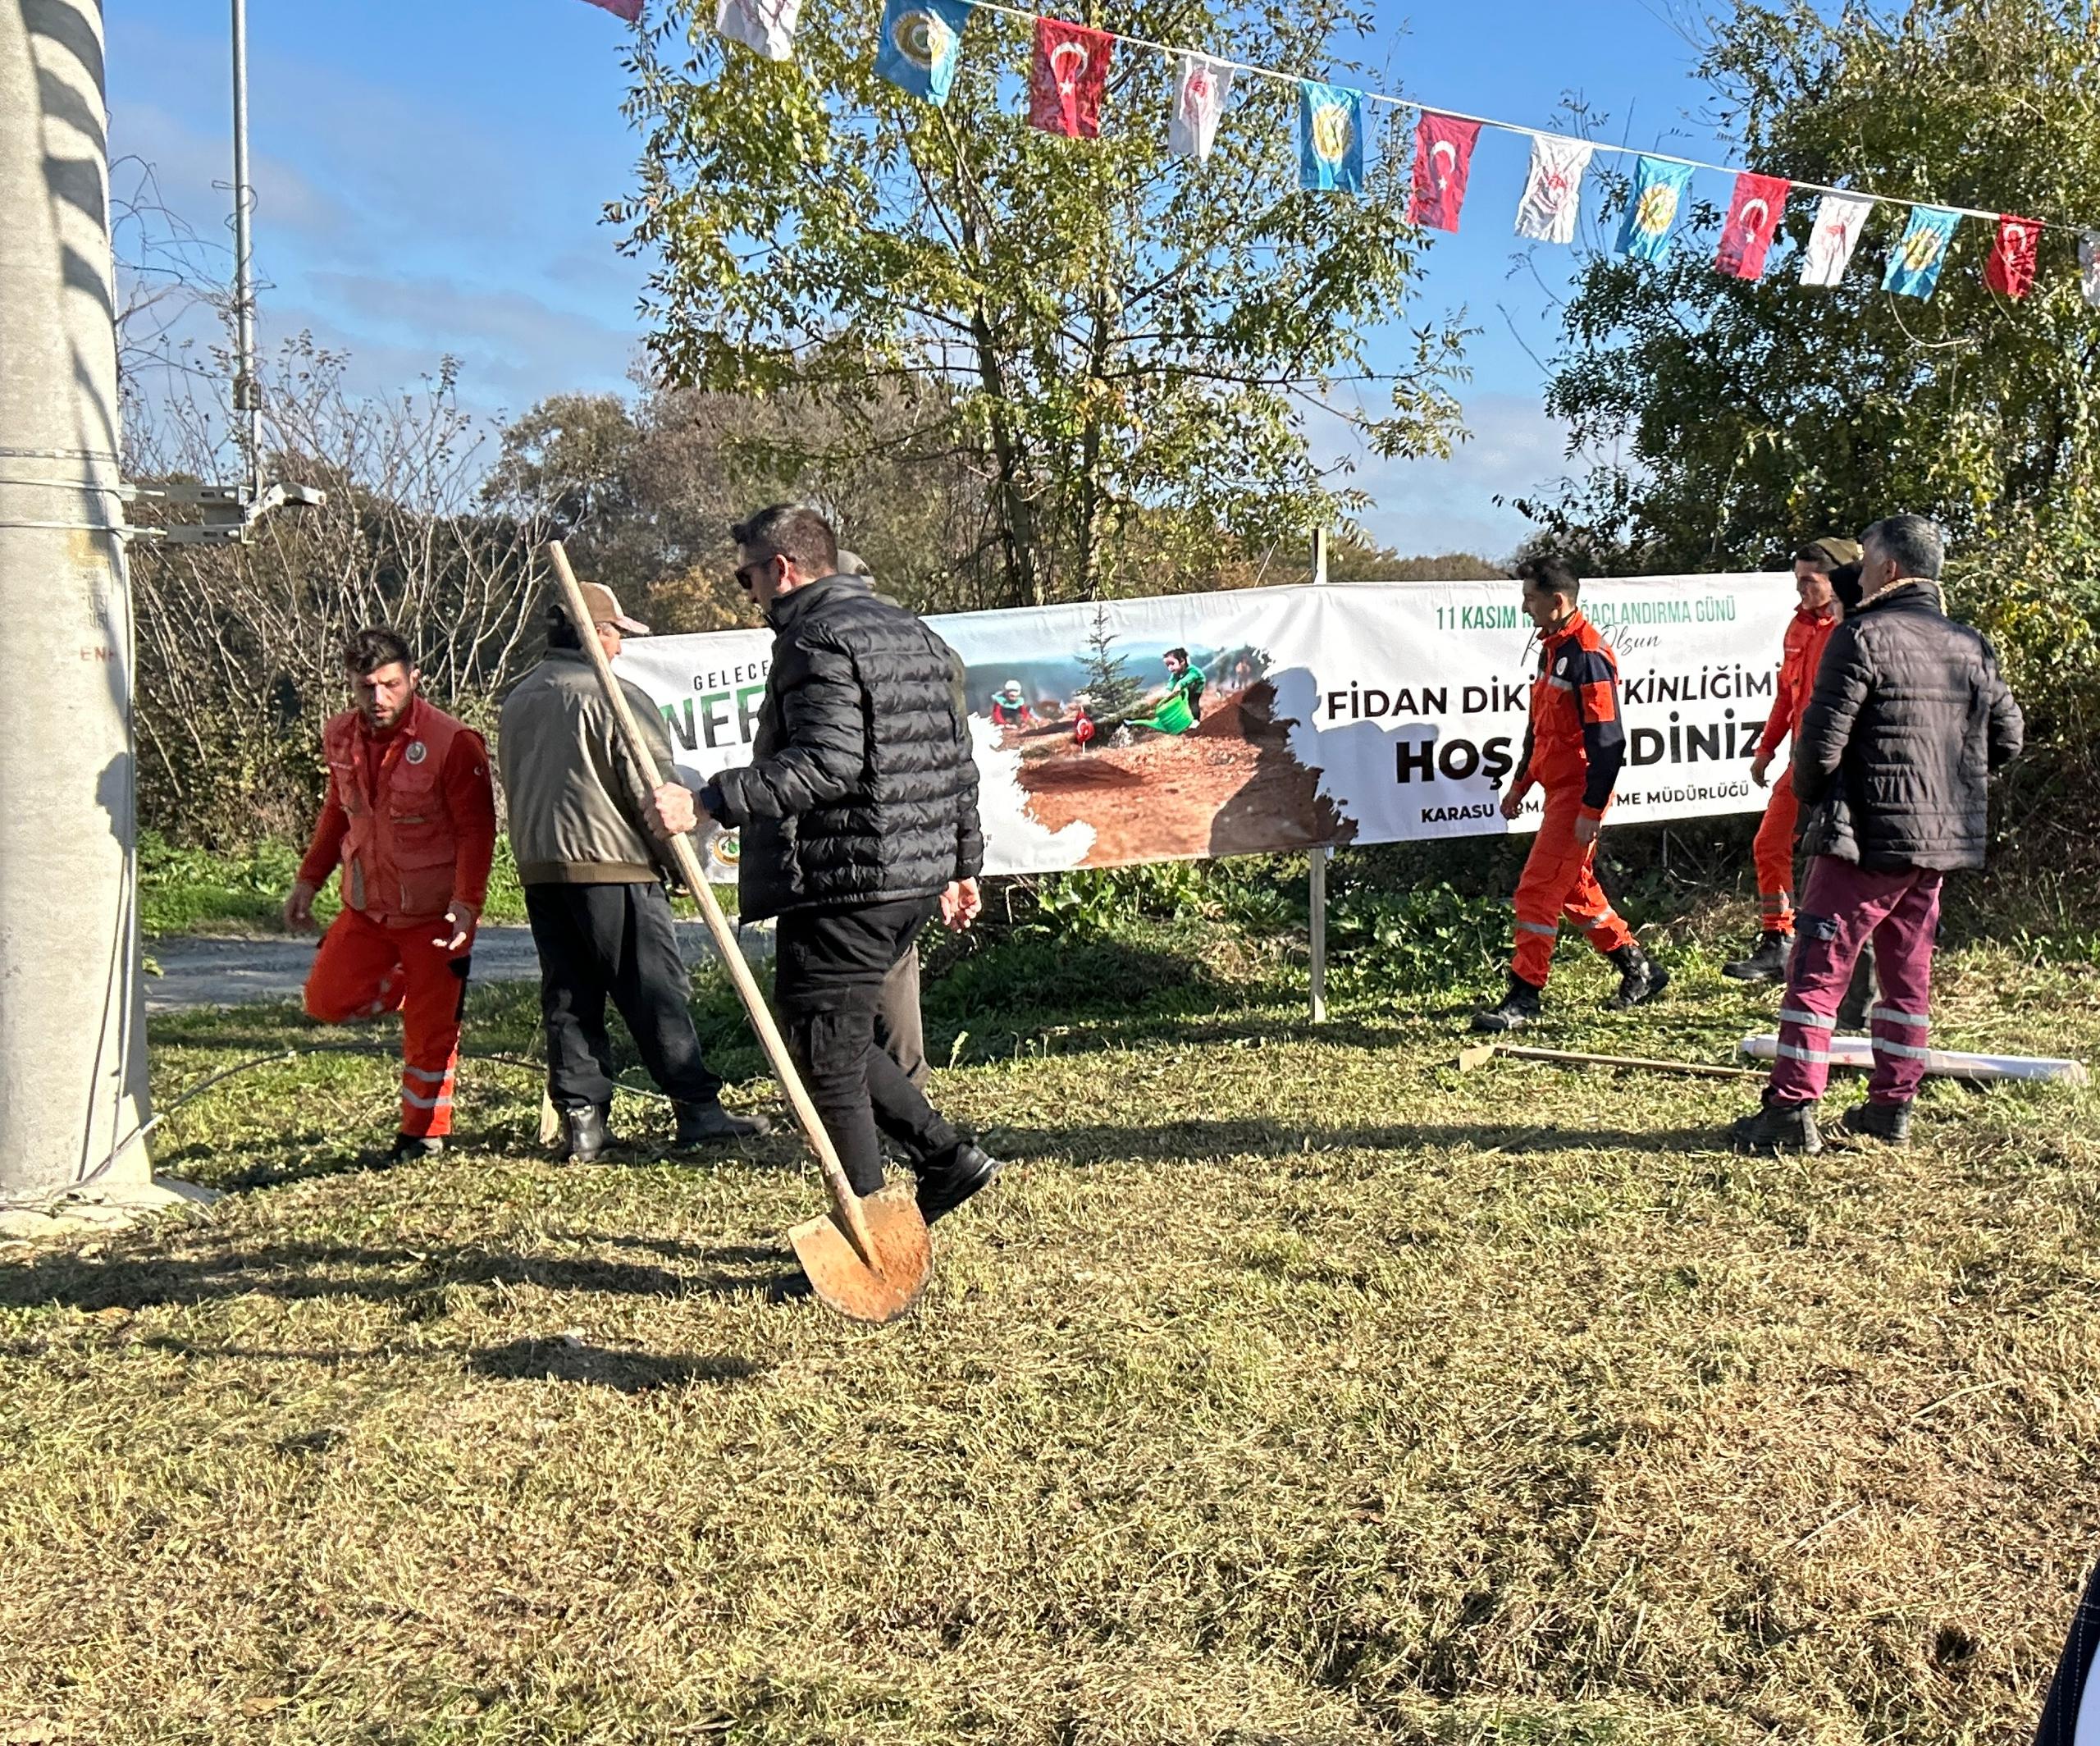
(1843, 907)
(365, 970)
(1560, 879)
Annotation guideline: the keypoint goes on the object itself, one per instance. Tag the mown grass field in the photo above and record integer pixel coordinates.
(1291, 1387)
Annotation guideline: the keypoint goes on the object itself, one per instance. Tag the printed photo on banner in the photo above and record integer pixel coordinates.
(1153, 749)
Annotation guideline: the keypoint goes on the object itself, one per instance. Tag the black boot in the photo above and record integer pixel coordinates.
(587, 1137)
(950, 1179)
(1777, 1128)
(408, 1147)
(1767, 961)
(1890, 1123)
(708, 1124)
(1641, 978)
(1519, 1008)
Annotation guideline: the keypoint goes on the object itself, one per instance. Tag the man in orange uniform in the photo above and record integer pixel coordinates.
(411, 816)
(1573, 749)
(1773, 849)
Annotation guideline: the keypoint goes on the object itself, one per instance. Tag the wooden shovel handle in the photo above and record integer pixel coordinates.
(842, 1197)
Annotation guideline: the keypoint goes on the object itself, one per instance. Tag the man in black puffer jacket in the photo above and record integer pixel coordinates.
(858, 813)
(1892, 765)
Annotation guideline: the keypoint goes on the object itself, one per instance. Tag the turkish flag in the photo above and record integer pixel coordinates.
(630, 10)
(2010, 272)
(1071, 69)
(1755, 211)
(1443, 159)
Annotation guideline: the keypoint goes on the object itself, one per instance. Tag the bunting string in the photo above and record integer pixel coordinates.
(920, 45)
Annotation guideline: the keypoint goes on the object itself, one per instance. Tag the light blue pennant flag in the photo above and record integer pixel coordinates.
(1659, 187)
(921, 42)
(1329, 137)
(1915, 262)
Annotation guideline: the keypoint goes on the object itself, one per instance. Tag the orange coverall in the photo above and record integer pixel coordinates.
(1773, 849)
(410, 816)
(1574, 749)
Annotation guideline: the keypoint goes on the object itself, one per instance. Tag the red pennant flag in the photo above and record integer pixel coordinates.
(1755, 210)
(1443, 159)
(2010, 272)
(1071, 69)
(630, 10)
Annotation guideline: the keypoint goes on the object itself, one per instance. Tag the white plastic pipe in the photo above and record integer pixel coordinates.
(1945, 1063)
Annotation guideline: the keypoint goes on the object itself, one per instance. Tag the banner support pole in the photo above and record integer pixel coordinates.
(1317, 892)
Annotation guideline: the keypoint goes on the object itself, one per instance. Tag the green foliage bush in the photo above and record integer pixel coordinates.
(187, 890)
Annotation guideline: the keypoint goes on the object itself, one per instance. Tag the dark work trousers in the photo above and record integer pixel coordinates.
(827, 983)
(616, 941)
(900, 1026)
(2072, 1717)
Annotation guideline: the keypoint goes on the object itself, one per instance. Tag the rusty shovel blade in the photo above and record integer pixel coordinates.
(904, 1257)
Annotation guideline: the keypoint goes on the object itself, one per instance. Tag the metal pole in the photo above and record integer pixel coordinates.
(1316, 904)
(72, 1030)
(247, 395)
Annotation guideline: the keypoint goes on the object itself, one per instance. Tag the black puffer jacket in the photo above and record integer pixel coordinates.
(1909, 720)
(862, 788)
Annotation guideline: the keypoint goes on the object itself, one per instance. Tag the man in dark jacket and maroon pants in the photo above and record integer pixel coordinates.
(858, 815)
(1892, 762)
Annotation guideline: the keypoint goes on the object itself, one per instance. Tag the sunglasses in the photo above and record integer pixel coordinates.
(747, 575)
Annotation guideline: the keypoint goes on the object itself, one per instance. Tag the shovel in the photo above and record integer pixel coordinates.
(869, 1257)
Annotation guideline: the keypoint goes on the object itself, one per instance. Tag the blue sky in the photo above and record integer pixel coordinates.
(431, 177)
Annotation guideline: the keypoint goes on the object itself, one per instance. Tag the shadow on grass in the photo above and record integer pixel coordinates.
(311, 1153)
(1260, 1137)
(628, 1372)
(416, 1279)
(560, 1360)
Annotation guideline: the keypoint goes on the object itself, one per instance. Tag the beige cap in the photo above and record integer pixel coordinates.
(1838, 550)
(605, 607)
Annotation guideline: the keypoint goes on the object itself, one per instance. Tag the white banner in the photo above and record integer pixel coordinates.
(1355, 713)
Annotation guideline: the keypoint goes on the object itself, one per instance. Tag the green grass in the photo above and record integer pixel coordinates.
(1291, 1387)
(200, 891)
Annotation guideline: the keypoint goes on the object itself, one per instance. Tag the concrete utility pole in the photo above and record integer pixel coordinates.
(72, 1032)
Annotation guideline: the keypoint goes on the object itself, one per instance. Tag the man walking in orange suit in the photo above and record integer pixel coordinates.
(1773, 849)
(410, 817)
(1573, 748)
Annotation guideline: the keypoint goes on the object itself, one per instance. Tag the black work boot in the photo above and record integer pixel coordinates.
(587, 1136)
(1519, 1008)
(708, 1123)
(407, 1148)
(1777, 1128)
(1767, 961)
(1890, 1123)
(950, 1179)
(1641, 978)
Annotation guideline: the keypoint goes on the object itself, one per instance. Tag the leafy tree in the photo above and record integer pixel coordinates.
(1120, 344)
(1759, 414)
(1755, 415)
(647, 491)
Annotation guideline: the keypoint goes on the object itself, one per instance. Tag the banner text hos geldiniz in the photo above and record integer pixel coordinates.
(1361, 713)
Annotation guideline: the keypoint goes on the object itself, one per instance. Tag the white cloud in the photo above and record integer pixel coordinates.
(513, 347)
(1429, 506)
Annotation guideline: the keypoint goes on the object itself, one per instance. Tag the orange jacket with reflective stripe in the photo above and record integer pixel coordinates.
(411, 815)
(1806, 634)
(1576, 737)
